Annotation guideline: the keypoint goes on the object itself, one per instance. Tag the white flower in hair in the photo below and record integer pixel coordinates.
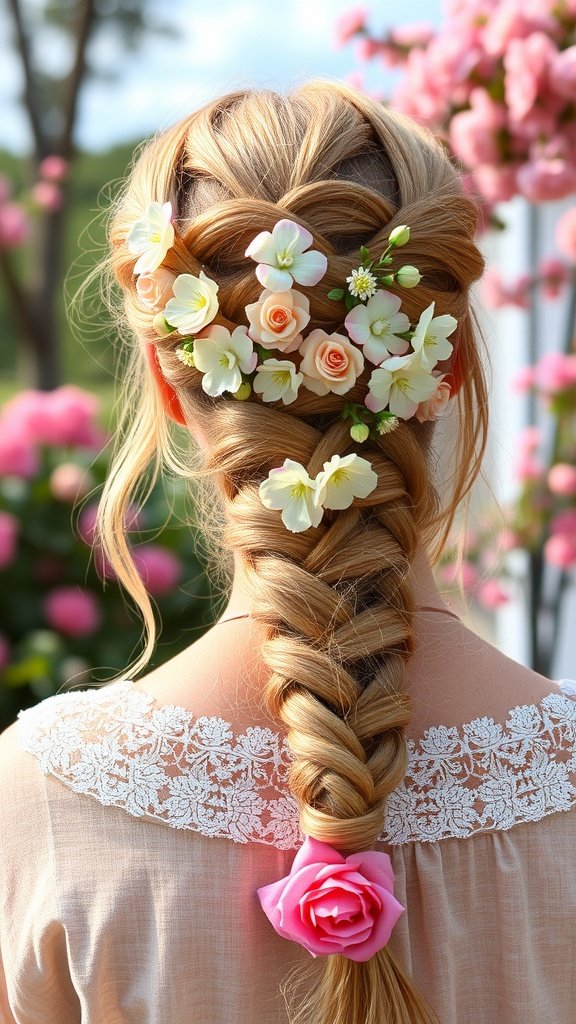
(343, 479)
(376, 326)
(281, 258)
(400, 383)
(195, 303)
(277, 378)
(431, 334)
(223, 358)
(290, 488)
(361, 283)
(151, 237)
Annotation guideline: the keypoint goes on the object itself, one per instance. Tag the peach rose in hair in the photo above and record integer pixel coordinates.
(155, 288)
(330, 363)
(435, 406)
(278, 318)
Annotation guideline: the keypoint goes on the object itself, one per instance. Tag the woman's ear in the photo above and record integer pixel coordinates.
(169, 397)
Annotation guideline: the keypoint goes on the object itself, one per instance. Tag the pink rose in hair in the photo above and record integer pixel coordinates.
(72, 611)
(9, 527)
(155, 288)
(330, 363)
(278, 318)
(334, 904)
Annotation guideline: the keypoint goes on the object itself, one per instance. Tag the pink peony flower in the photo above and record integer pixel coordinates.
(73, 411)
(560, 550)
(555, 372)
(69, 481)
(491, 595)
(334, 904)
(18, 455)
(278, 319)
(350, 24)
(541, 180)
(9, 527)
(330, 363)
(566, 234)
(553, 274)
(562, 479)
(4, 651)
(159, 569)
(155, 288)
(563, 73)
(14, 226)
(53, 168)
(47, 196)
(72, 611)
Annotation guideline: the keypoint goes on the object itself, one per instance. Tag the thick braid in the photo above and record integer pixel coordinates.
(336, 599)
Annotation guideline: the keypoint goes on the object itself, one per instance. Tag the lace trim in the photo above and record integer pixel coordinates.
(116, 745)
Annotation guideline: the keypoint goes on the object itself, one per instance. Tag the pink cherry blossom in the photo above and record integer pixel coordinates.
(527, 467)
(541, 180)
(159, 568)
(496, 294)
(555, 372)
(47, 196)
(53, 168)
(524, 380)
(417, 33)
(497, 184)
(491, 594)
(560, 551)
(72, 611)
(564, 522)
(562, 479)
(553, 274)
(465, 574)
(527, 63)
(474, 133)
(367, 48)
(563, 73)
(9, 529)
(529, 440)
(350, 24)
(14, 226)
(566, 234)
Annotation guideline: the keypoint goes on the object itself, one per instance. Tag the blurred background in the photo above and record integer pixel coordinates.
(82, 83)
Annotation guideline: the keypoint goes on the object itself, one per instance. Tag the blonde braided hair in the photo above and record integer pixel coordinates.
(336, 600)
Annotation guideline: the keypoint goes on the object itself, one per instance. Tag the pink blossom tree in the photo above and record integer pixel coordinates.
(497, 83)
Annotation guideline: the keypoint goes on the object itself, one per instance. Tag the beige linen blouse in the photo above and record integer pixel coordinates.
(133, 837)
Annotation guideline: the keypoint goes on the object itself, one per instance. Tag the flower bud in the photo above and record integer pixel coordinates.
(161, 326)
(359, 432)
(185, 353)
(244, 392)
(400, 235)
(408, 277)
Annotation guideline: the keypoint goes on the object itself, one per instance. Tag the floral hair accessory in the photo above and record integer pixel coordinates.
(332, 904)
(194, 304)
(151, 237)
(289, 488)
(281, 258)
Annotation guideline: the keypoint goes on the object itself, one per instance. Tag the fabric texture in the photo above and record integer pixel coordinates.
(133, 838)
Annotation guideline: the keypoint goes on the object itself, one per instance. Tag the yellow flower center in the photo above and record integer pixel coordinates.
(198, 302)
(228, 359)
(155, 237)
(284, 258)
(281, 377)
(378, 327)
(339, 476)
(298, 491)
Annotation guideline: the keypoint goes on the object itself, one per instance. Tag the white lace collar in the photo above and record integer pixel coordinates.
(161, 762)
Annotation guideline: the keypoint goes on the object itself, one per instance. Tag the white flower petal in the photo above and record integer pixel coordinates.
(342, 480)
(274, 279)
(262, 248)
(309, 267)
(291, 489)
(289, 235)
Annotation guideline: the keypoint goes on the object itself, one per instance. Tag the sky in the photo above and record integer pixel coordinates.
(217, 48)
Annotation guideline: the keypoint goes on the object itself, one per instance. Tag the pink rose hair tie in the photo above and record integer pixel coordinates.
(334, 904)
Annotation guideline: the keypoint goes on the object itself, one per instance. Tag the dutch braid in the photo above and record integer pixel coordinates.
(336, 599)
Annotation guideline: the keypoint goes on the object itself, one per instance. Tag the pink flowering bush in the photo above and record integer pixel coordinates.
(497, 81)
(63, 615)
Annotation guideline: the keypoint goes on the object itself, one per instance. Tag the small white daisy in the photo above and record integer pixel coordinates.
(362, 283)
